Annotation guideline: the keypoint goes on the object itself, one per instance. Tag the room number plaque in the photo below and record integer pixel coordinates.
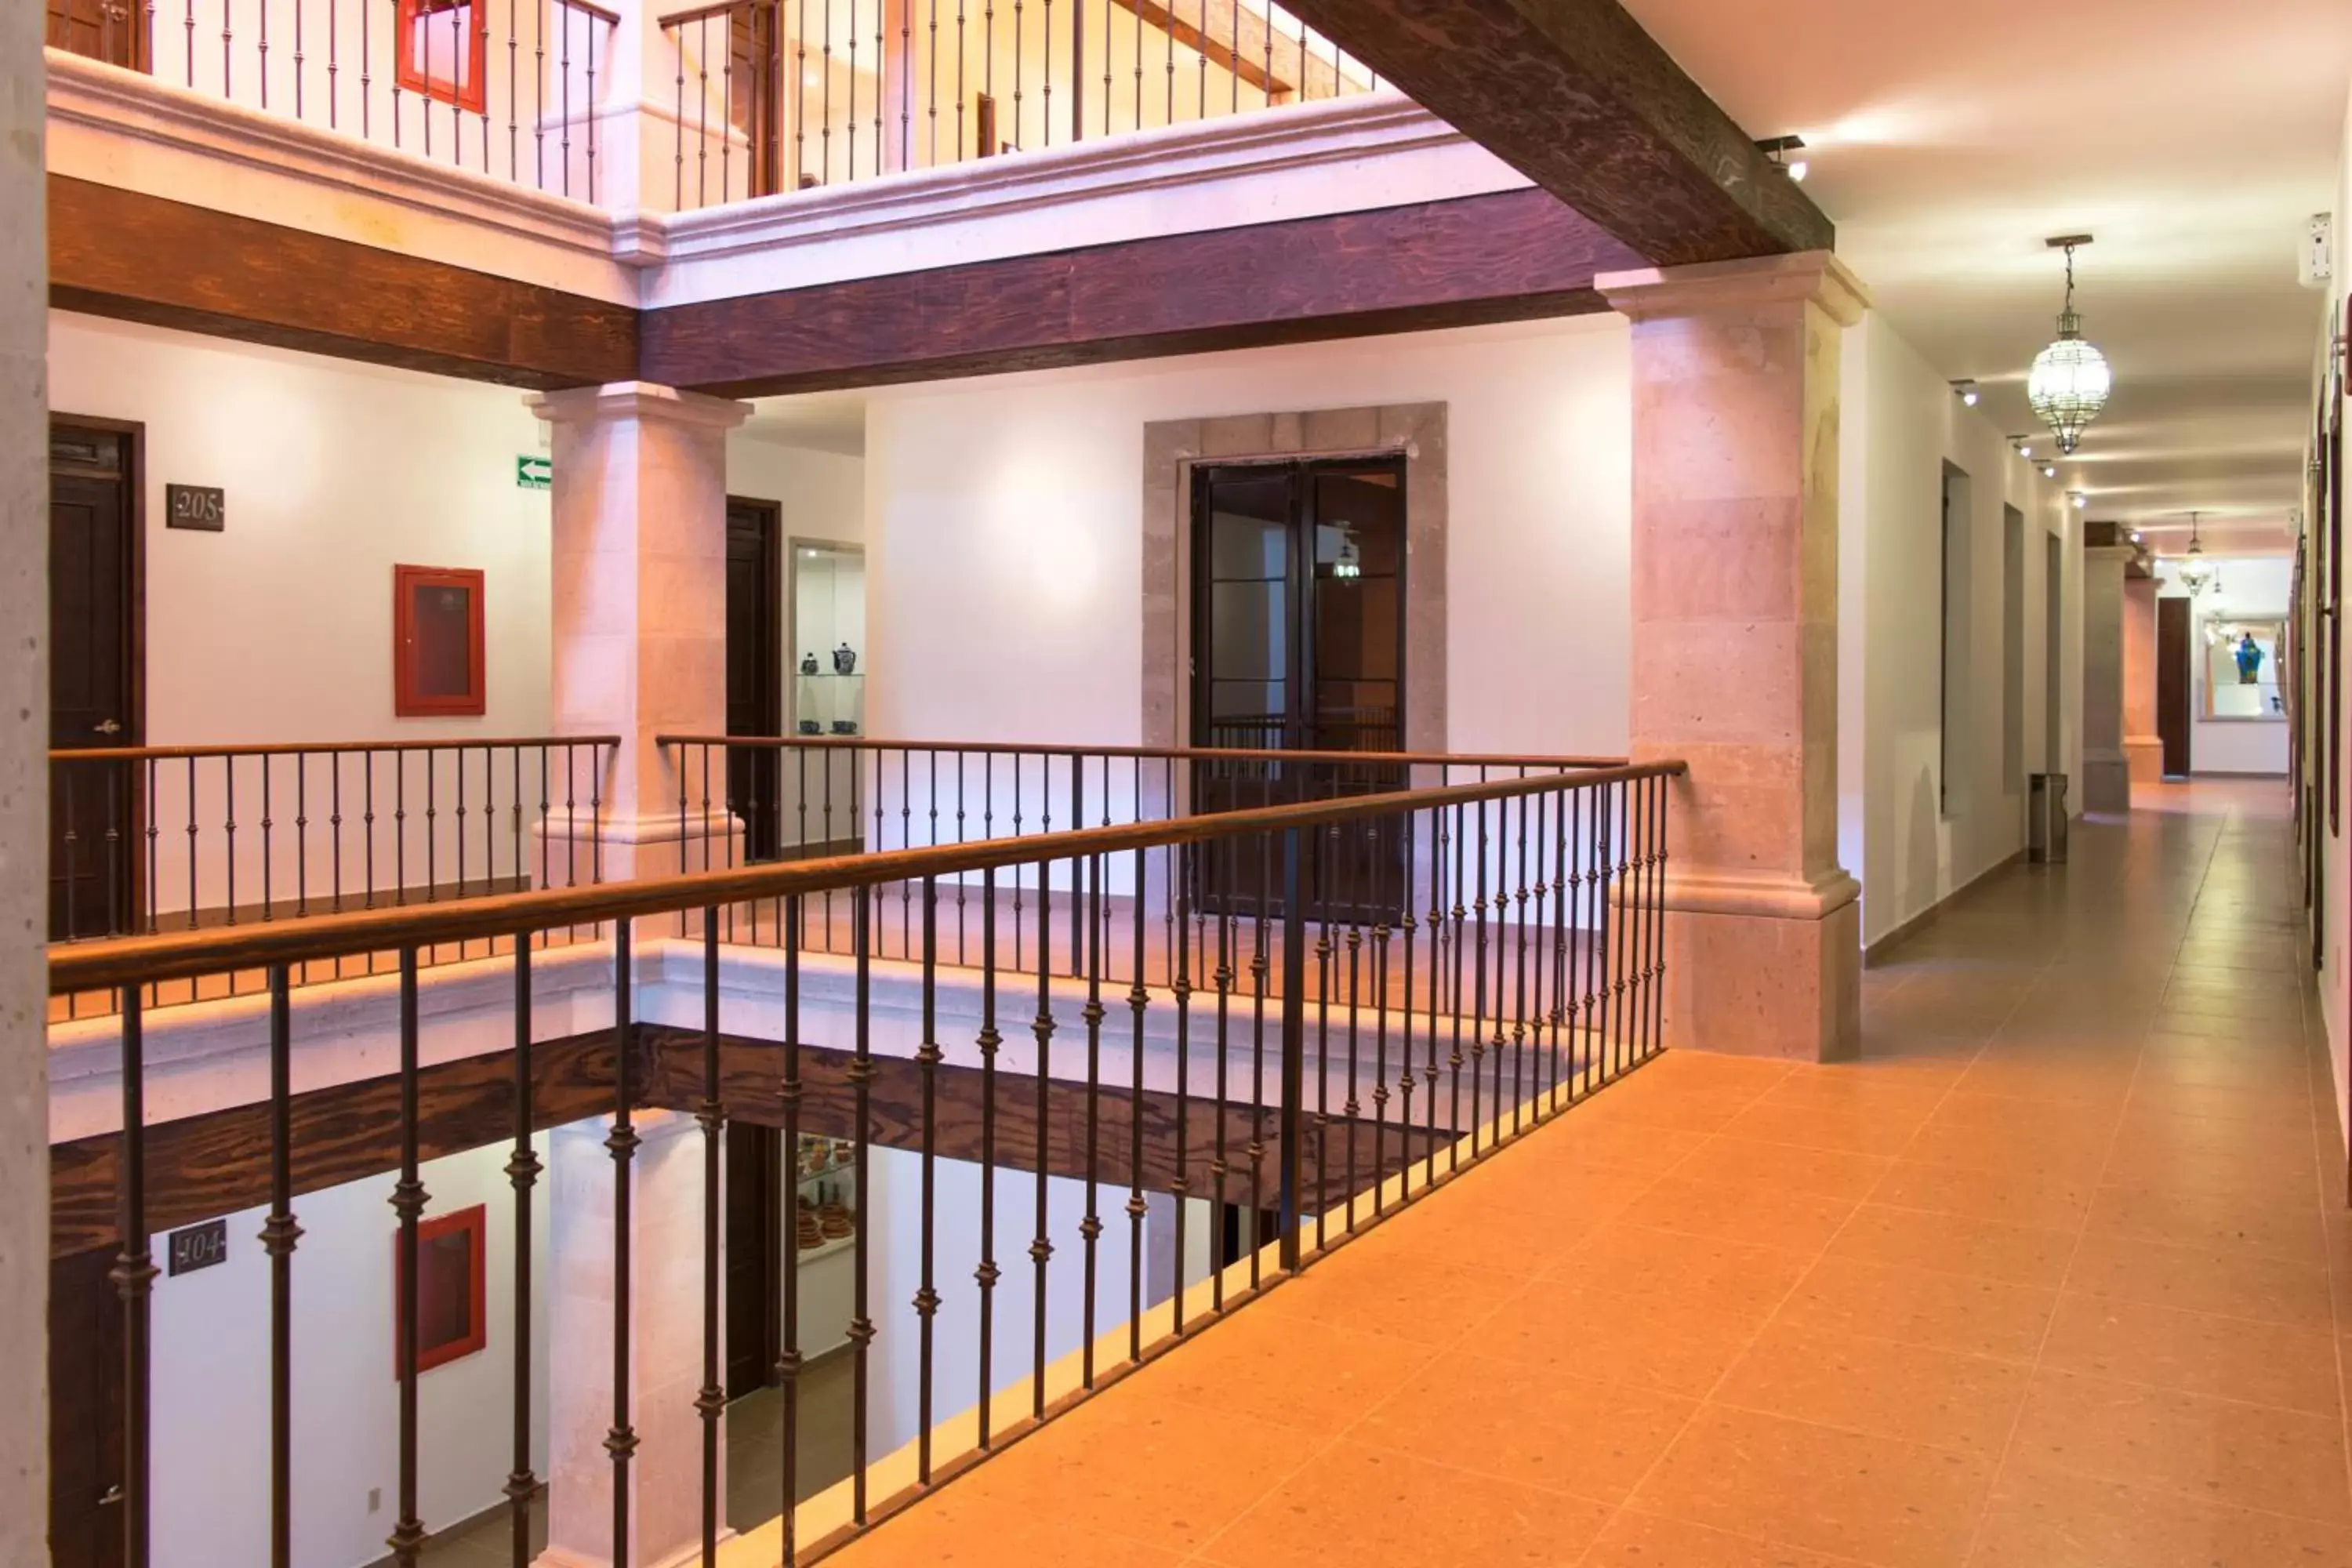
(201, 507)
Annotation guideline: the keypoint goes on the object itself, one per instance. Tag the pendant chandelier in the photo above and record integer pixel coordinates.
(2070, 381)
(2195, 572)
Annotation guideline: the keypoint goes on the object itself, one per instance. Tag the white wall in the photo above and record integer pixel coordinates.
(2335, 868)
(1900, 425)
(2253, 588)
(211, 1411)
(1004, 532)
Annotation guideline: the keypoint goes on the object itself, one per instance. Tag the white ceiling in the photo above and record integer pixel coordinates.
(2191, 137)
(823, 421)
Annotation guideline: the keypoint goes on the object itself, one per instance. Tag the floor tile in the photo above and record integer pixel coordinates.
(2241, 1284)
(1645, 1541)
(1741, 1211)
(1360, 1504)
(1875, 1499)
(1879, 1386)
(1818, 1172)
(1583, 1436)
(2048, 1519)
(1921, 1307)
(1678, 1344)
(1951, 1244)
(2230, 1358)
(1308, 1374)
(2243, 1456)
(1737, 1277)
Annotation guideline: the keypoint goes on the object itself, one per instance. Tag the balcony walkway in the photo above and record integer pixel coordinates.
(2055, 1279)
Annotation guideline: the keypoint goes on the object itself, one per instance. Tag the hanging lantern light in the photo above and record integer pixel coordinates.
(2195, 572)
(2069, 380)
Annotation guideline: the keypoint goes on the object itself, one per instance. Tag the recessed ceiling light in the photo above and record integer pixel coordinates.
(1777, 149)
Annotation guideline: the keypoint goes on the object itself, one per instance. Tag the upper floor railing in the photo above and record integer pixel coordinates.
(628, 108)
(509, 88)
(772, 96)
(1026, 1147)
(145, 839)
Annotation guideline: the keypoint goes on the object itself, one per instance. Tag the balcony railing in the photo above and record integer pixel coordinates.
(1280, 1093)
(156, 839)
(506, 87)
(771, 96)
(744, 800)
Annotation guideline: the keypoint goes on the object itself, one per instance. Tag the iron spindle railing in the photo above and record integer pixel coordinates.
(169, 853)
(766, 99)
(1243, 1103)
(447, 100)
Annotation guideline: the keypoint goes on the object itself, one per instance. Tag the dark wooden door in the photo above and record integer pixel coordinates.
(752, 105)
(2172, 684)
(754, 1256)
(85, 1412)
(1298, 644)
(755, 688)
(110, 30)
(93, 676)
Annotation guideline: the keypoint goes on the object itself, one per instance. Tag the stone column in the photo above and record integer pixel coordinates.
(639, 613)
(1735, 382)
(2106, 773)
(24, 799)
(665, 1339)
(2143, 750)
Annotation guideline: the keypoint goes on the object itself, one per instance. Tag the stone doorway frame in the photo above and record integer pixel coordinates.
(1171, 449)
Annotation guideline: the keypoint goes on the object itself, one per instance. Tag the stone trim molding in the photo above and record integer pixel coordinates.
(1171, 447)
(641, 400)
(1818, 276)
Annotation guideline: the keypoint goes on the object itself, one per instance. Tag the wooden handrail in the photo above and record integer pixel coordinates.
(293, 748)
(702, 13)
(136, 961)
(1151, 754)
(610, 18)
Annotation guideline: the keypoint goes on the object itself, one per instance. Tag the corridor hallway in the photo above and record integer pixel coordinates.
(2056, 1277)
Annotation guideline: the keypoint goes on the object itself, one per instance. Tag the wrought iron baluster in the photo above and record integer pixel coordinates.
(408, 1199)
(278, 1235)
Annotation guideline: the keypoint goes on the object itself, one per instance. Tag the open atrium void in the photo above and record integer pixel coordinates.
(1152, 781)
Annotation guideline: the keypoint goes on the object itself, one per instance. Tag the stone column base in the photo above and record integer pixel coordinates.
(2144, 759)
(1765, 972)
(2107, 785)
(615, 848)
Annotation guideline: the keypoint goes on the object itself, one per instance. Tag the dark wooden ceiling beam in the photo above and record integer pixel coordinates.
(1513, 255)
(1576, 96)
(139, 257)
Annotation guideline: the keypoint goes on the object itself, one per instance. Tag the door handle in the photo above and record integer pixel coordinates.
(112, 1496)
(110, 728)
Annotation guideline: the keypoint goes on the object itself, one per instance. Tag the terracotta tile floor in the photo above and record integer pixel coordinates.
(2058, 1277)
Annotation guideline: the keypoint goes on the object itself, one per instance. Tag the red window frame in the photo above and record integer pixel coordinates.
(471, 1223)
(467, 94)
(409, 699)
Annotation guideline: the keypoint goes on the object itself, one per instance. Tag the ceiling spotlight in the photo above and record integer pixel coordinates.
(2138, 537)
(1966, 392)
(2024, 447)
(2070, 379)
(2049, 471)
(2083, 503)
(1777, 149)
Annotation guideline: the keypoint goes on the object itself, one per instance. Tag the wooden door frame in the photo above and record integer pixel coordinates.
(780, 621)
(133, 432)
(134, 435)
(2181, 667)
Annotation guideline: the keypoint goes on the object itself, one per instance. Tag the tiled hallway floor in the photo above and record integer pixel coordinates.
(2057, 1278)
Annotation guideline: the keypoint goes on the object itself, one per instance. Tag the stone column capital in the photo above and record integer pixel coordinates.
(1708, 288)
(643, 400)
(2117, 552)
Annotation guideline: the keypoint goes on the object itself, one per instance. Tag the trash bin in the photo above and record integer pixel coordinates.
(2046, 826)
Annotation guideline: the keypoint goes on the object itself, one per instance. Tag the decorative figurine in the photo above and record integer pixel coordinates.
(808, 663)
(844, 661)
(2250, 659)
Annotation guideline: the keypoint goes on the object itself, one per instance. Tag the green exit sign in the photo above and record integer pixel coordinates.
(534, 473)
